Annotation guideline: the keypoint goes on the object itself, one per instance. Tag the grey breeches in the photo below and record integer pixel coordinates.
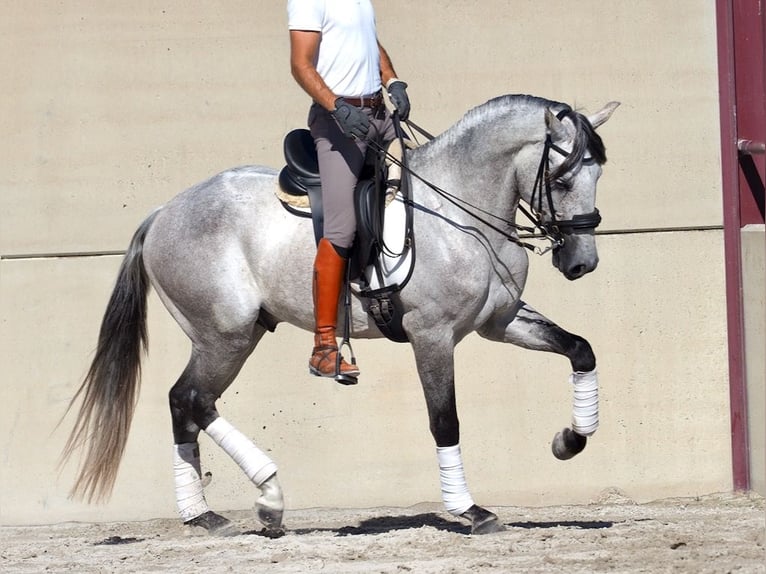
(340, 162)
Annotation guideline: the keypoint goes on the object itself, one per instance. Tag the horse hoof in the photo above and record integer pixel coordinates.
(270, 506)
(567, 444)
(276, 532)
(215, 524)
(271, 518)
(482, 521)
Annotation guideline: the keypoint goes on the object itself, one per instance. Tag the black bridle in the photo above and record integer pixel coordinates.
(552, 229)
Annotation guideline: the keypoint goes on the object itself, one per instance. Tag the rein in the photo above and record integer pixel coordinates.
(553, 230)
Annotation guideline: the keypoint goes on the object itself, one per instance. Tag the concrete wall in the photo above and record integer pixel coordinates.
(110, 108)
(754, 301)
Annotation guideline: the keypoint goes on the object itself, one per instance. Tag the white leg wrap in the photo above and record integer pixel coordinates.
(585, 409)
(188, 477)
(455, 493)
(253, 461)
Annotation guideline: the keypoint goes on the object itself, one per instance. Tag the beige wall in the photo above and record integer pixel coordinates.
(754, 302)
(111, 108)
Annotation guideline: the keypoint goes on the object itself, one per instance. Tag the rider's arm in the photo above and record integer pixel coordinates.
(304, 45)
(387, 72)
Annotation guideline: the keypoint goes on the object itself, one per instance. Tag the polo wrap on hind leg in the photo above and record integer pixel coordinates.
(253, 461)
(585, 408)
(455, 493)
(190, 498)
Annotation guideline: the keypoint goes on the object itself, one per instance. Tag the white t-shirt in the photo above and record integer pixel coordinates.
(348, 59)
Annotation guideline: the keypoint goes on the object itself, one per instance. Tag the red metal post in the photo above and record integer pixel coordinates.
(732, 244)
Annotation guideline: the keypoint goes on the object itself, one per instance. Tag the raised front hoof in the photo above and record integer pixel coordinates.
(482, 521)
(215, 524)
(567, 444)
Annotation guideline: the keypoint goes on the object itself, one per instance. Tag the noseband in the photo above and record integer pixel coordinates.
(553, 228)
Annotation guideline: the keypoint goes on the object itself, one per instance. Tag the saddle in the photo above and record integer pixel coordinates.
(301, 194)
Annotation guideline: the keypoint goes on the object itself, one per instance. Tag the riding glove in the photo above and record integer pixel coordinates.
(397, 91)
(353, 121)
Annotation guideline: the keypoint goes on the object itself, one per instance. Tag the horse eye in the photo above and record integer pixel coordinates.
(564, 184)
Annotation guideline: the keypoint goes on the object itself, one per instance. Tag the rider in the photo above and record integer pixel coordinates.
(335, 56)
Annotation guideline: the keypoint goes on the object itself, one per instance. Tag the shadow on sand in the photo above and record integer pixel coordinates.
(386, 524)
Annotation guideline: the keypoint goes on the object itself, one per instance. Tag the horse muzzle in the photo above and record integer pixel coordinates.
(576, 255)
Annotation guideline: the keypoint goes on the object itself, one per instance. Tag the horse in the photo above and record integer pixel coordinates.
(230, 263)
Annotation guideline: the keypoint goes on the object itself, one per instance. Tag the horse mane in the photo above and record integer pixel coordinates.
(586, 140)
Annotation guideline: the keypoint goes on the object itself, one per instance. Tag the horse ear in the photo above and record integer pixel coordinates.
(604, 114)
(556, 127)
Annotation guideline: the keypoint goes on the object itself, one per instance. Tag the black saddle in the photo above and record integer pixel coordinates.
(300, 177)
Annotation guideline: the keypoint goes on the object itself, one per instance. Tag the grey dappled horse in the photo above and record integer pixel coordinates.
(229, 263)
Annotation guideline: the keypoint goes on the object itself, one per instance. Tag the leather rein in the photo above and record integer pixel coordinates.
(552, 230)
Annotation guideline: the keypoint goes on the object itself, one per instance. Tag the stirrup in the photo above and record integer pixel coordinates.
(345, 378)
(338, 376)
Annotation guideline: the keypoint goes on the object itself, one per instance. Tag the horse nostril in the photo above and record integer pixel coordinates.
(577, 271)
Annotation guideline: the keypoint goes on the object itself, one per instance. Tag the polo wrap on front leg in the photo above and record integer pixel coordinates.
(187, 472)
(253, 461)
(455, 493)
(585, 408)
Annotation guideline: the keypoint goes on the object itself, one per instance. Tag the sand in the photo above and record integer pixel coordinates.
(716, 534)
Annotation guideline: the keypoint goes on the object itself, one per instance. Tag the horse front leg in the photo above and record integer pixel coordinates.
(435, 363)
(529, 329)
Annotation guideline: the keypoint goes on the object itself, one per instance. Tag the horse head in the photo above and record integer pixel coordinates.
(563, 197)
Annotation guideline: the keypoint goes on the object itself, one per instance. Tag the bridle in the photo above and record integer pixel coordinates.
(551, 229)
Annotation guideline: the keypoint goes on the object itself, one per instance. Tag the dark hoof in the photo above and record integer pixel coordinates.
(275, 532)
(215, 524)
(482, 521)
(567, 444)
(270, 518)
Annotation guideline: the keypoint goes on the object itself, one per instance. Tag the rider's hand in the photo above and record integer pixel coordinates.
(397, 91)
(353, 121)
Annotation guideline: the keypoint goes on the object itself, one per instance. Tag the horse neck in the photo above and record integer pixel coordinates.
(478, 158)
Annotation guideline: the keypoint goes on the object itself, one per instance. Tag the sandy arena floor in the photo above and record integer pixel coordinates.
(714, 534)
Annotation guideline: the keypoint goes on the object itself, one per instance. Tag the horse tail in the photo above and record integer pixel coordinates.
(109, 391)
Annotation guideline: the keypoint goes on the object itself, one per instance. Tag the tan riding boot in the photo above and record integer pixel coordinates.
(329, 268)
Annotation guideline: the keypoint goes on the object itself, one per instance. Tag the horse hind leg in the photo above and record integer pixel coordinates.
(531, 330)
(192, 405)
